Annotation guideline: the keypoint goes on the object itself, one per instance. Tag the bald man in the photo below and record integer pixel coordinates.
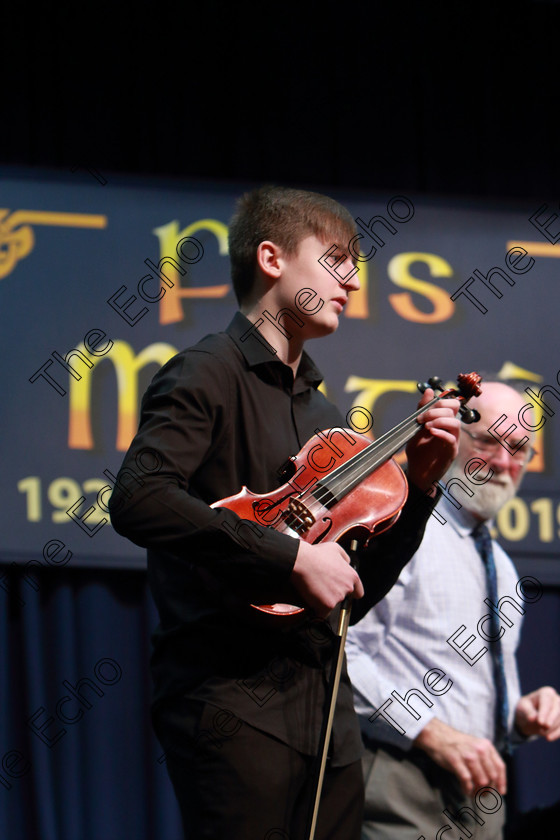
(433, 665)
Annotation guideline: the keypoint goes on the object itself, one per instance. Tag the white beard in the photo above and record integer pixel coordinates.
(488, 498)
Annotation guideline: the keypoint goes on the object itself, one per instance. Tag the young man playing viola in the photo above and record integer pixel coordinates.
(237, 706)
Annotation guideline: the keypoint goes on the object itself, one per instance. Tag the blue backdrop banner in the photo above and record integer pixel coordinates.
(102, 280)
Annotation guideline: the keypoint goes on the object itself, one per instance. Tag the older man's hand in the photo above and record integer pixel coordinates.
(538, 713)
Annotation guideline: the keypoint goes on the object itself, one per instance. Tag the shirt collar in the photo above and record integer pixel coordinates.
(256, 351)
(461, 520)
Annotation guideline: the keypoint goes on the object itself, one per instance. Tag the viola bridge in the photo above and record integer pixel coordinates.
(298, 517)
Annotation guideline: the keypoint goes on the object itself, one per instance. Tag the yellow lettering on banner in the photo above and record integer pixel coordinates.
(537, 249)
(170, 308)
(369, 391)
(513, 520)
(403, 303)
(17, 238)
(46, 217)
(358, 301)
(127, 366)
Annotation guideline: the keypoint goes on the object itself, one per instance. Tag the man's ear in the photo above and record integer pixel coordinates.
(269, 259)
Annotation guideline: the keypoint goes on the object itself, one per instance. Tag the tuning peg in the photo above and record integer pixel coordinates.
(434, 382)
(469, 415)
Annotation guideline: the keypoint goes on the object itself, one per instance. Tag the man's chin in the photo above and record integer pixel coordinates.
(489, 499)
(319, 330)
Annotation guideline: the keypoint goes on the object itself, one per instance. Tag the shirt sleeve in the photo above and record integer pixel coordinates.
(381, 716)
(185, 416)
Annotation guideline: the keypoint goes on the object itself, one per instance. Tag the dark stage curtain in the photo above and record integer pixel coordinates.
(75, 648)
(78, 757)
(456, 98)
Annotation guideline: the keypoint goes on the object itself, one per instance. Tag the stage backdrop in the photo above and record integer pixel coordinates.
(102, 279)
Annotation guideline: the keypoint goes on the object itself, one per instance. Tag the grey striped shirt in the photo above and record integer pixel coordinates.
(402, 643)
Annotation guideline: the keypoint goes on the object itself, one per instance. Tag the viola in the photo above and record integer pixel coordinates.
(343, 486)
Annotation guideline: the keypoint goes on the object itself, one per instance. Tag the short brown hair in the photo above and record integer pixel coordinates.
(284, 216)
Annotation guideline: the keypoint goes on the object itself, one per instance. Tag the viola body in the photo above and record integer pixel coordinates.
(316, 503)
(343, 486)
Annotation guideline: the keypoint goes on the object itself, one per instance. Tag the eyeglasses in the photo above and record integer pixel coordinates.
(486, 444)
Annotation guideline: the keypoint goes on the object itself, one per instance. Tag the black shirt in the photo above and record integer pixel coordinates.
(223, 414)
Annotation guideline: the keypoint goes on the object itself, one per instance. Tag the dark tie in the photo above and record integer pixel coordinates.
(483, 544)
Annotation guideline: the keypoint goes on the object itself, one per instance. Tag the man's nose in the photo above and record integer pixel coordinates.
(500, 459)
(352, 284)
